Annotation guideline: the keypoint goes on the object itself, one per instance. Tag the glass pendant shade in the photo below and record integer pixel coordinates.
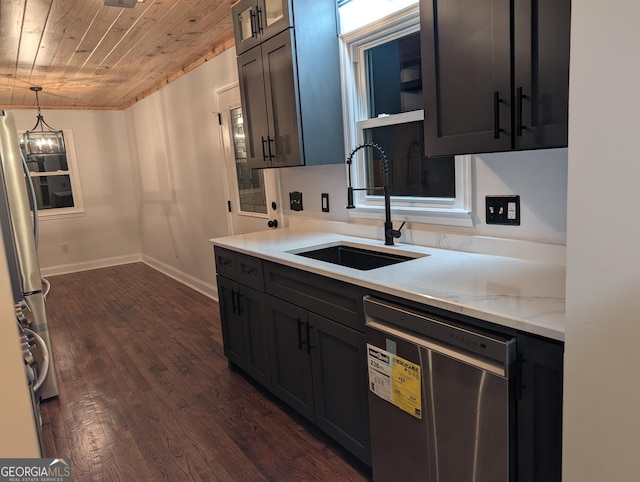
(43, 142)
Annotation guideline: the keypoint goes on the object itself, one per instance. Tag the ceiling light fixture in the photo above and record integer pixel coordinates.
(122, 3)
(41, 141)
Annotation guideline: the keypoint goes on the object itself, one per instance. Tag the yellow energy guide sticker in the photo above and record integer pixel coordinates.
(395, 380)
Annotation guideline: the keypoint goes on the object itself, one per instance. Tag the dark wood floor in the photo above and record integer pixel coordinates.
(146, 393)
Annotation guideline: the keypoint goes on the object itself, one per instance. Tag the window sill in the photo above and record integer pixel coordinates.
(60, 213)
(447, 217)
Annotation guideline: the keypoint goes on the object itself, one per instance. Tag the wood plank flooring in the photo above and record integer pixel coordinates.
(146, 393)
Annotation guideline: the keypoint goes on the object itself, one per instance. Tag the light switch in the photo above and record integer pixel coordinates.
(503, 210)
(295, 200)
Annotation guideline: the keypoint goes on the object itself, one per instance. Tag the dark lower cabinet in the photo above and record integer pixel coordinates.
(338, 358)
(319, 368)
(242, 313)
(540, 410)
(314, 358)
(292, 381)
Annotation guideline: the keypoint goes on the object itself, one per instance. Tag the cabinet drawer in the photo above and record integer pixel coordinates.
(245, 269)
(249, 271)
(225, 262)
(336, 300)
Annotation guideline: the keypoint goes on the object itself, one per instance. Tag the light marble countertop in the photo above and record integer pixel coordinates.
(520, 294)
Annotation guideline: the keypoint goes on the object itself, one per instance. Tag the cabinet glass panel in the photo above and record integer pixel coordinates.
(251, 188)
(411, 173)
(394, 76)
(273, 11)
(245, 23)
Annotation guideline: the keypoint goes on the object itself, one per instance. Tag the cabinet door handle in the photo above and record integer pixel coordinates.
(271, 155)
(300, 341)
(253, 18)
(309, 345)
(496, 115)
(234, 307)
(238, 302)
(264, 150)
(259, 20)
(519, 97)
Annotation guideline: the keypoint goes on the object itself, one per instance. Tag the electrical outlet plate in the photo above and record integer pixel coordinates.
(324, 197)
(503, 210)
(295, 200)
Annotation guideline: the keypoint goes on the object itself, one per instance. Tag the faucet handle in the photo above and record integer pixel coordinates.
(396, 232)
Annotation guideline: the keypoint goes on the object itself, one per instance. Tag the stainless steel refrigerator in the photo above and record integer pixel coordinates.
(20, 244)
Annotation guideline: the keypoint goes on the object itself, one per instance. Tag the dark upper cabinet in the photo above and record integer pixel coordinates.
(290, 91)
(271, 103)
(255, 21)
(495, 78)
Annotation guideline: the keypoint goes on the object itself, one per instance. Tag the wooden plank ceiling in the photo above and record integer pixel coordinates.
(86, 55)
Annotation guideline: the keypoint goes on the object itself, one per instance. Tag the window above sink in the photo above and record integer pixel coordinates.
(382, 92)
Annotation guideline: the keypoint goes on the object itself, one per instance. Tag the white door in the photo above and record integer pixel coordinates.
(253, 194)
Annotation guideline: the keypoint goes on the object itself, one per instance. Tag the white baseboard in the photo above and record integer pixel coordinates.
(87, 265)
(207, 289)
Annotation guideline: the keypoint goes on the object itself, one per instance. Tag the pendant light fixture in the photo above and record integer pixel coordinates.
(42, 139)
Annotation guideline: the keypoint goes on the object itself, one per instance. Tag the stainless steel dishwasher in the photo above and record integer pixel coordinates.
(440, 398)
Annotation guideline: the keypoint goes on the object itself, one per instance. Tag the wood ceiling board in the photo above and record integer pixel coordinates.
(67, 25)
(36, 13)
(125, 31)
(92, 56)
(144, 40)
(182, 40)
(11, 13)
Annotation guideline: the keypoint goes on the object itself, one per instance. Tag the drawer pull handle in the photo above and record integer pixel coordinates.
(496, 115)
(238, 302)
(519, 97)
(300, 342)
(309, 345)
(234, 307)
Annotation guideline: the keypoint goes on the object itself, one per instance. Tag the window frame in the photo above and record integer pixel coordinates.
(354, 44)
(74, 178)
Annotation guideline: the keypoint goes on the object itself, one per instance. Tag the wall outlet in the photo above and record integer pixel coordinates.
(64, 247)
(325, 202)
(295, 200)
(503, 210)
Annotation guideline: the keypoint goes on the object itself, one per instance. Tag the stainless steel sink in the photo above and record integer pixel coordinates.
(356, 257)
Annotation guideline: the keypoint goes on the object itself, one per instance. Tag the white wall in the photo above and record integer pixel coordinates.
(108, 231)
(180, 194)
(602, 359)
(539, 177)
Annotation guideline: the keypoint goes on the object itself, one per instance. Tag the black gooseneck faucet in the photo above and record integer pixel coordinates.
(389, 232)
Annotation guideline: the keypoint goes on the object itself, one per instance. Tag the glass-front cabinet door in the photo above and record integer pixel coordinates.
(258, 20)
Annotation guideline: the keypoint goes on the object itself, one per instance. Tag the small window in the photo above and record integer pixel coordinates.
(50, 159)
(384, 90)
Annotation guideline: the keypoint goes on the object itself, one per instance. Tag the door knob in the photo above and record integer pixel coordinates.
(273, 223)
